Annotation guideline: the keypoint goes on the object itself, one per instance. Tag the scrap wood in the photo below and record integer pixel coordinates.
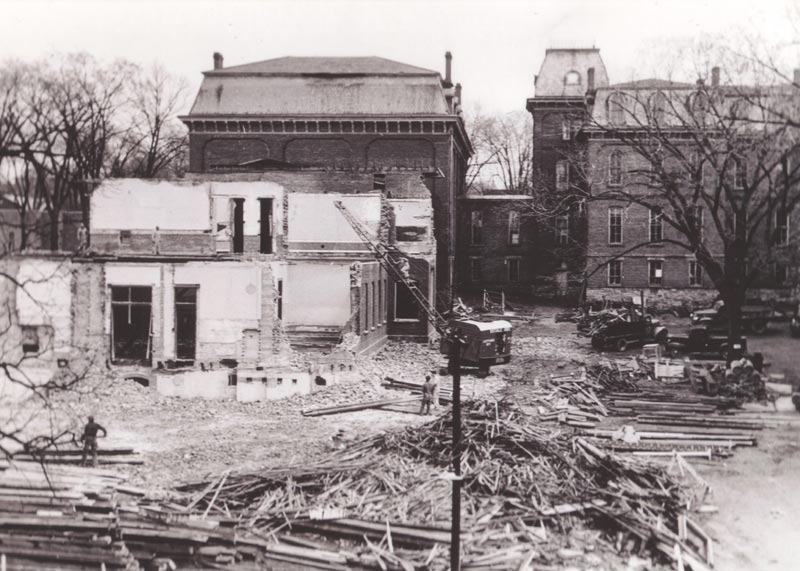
(358, 406)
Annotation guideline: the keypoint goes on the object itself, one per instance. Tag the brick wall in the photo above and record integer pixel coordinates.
(494, 249)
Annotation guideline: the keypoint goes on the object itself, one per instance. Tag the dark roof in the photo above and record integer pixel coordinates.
(291, 65)
(652, 83)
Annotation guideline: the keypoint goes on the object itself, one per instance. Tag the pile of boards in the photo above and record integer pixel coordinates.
(71, 453)
(385, 501)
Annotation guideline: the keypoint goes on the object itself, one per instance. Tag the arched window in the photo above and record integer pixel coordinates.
(572, 78)
(615, 169)
(616, 108)
(698, 104)
(658, 107)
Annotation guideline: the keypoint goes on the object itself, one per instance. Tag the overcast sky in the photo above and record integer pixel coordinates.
(497, 45)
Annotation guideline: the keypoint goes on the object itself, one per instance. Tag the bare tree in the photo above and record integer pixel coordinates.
(154, 143)
(712, 165)
(503, 151)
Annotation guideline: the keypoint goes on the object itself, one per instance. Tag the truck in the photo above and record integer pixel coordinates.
(700, 343)
(755, 318)
(485, 343)
(635, 330)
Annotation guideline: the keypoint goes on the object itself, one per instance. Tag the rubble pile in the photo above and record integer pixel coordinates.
(524, 485)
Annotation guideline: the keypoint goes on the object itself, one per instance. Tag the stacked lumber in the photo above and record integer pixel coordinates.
(71, 453)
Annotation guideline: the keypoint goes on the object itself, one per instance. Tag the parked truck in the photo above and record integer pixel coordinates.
(755, 318)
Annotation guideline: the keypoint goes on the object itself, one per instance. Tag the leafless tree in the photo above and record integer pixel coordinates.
(714, 167)
(503, 151)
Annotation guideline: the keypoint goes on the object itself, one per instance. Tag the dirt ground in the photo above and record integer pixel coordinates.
(757, 491)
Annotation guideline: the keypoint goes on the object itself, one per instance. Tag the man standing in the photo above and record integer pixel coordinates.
(428, 388)
(89, 438)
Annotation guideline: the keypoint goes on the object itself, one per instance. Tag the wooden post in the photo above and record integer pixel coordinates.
(455, 524)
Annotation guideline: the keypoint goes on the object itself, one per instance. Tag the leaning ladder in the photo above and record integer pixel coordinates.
(383, 254)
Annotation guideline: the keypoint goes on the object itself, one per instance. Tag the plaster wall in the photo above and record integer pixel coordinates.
(315, 220)
(316, 293)
(45, 298)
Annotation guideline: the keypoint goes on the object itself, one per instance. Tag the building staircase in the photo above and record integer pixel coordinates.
(313, 338)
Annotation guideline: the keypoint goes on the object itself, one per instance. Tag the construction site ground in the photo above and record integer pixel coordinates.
(757, 491)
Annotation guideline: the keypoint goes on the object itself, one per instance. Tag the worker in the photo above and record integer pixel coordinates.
(89, 439)
(436, 386)
(405, 267)
(428, 389)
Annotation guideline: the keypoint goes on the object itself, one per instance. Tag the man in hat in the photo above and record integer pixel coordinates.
(89, 439)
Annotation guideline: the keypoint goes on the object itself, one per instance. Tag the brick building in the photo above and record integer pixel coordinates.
(358, 113)
(564, 90)
(496, 242)
(582, 146)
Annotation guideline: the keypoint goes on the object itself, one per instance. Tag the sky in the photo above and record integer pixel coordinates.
(497, 45)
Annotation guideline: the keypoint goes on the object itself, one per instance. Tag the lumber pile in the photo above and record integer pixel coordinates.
(71, 453)
(384, 502)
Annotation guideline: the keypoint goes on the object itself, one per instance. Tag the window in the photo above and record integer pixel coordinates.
(562, 175)
(655, 270)
(615, 169)
(695, 273)
(367, 308)
(698, 169)
(125, 237)
(739, 173)
(405, 306)
(12, 242)
(781, 273)
(658, 107)
(476, 227)
(30, 339)
(615, 225)
(513, 228)
(475, 273)
(616, 109)
(375, 321)
(562, 229)
(513, 269)
(694, 220)
(572, 78)
(615, 273)
(566, 129)
(780, 235)
(379, 181)
(656, 225)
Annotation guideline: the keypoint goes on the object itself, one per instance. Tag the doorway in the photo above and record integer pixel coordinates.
(131, 324)
(238, 225)
(186, 322)
(265, 231)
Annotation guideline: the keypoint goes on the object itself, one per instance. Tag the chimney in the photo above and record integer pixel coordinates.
(448, 69)
(715, 76)
(458, 94)
(217, 60)
(797, 76)
(590, 79)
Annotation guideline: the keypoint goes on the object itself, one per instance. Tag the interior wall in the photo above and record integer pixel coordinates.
(313, 218)
(45, 298)
(316, 293)
(251, 191)
(138, 204)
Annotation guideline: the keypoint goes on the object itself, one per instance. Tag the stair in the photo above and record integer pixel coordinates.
(308, 338)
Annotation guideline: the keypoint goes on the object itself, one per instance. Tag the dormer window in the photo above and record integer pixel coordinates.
(572, 78)
(616, 108)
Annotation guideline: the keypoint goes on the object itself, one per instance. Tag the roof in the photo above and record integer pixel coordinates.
(497, 197)
(320, 96)
(652, 83)
(557, 63)
(291, 65)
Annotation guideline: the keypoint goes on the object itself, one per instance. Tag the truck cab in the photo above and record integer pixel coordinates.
(486, 343)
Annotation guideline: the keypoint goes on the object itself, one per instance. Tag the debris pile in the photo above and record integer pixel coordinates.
(387, 497)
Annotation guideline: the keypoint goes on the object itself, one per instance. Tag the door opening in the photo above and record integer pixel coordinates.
(131, 324)
(186, 322)
(238, 225)
(266, 225)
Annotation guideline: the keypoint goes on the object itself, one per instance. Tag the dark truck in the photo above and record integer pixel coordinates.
(635, 330)
(700, 343)
(755, 318)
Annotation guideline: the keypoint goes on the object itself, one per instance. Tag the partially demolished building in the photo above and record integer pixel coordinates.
(243, 279)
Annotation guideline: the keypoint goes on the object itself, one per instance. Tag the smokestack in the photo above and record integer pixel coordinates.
(218, 60)
(448, 69)
(590, 79)
(458, 94)
(797, 76)
(715, 76)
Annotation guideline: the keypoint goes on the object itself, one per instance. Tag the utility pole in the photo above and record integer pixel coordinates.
(455, 525)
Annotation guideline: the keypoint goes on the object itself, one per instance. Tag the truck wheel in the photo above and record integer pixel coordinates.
(796, 401)
(674, 352)
(621, 345)
(483, 370)
(758, 326)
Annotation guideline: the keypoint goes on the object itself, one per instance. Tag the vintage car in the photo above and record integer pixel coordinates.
(755, 318)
